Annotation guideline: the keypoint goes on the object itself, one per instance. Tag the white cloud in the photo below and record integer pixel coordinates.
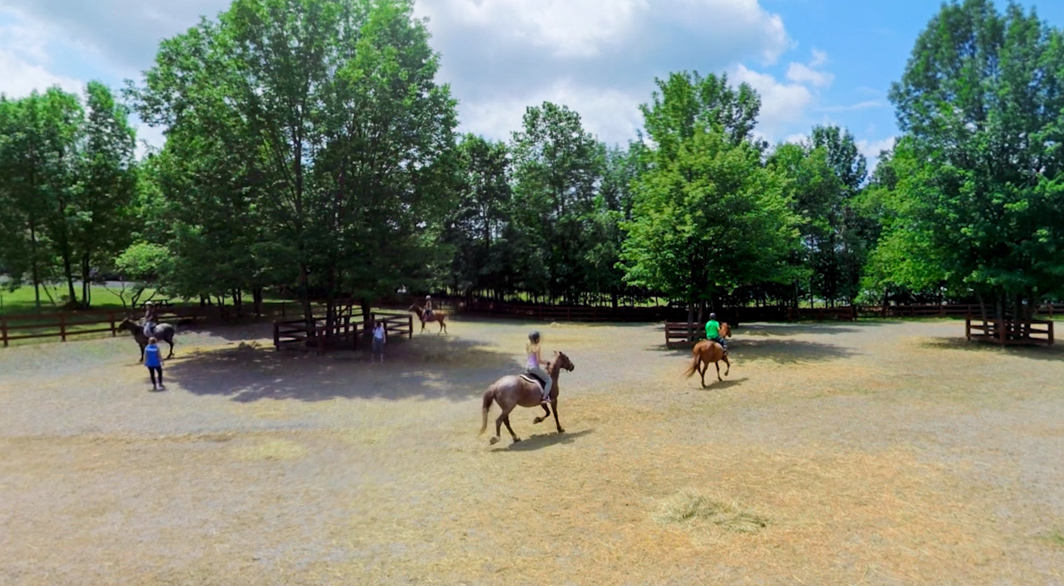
(872, 149)
(24, 63)
(800, 73)
(783, 105)
(599, 57)
(819, 58)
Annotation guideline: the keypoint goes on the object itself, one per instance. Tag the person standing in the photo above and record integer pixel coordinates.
(379, 338)
(153, 359)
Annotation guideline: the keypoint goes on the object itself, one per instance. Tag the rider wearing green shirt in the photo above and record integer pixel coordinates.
(713, 332)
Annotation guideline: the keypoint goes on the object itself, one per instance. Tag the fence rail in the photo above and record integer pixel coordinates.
(1010, 332)
(345, 331)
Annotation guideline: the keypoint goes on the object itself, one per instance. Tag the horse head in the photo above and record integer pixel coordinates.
(725, 331)
(563, 361)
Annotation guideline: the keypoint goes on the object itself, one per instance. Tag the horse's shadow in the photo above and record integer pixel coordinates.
(717, 385)
(543, 440)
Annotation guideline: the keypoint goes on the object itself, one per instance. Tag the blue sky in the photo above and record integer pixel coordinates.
(813, 61)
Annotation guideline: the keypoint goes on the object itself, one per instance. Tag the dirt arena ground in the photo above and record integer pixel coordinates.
(870, 453)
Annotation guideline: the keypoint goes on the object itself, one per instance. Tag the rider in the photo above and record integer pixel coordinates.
(151, 314)
(535, 365)
(713, 332)
(428, 308)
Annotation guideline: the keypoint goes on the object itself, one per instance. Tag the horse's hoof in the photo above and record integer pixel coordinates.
(493, 441)
(537, 420)
(517, 440)
(560, 430)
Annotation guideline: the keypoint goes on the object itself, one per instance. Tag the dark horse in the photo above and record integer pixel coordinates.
(436, 316)
(708, 351)
(511, 391)
(163, 333)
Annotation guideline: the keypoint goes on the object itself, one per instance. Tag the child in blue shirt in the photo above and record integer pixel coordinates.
(153, 359)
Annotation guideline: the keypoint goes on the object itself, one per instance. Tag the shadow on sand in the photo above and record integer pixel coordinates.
(991, 351)
(539, 441)
(427, 367)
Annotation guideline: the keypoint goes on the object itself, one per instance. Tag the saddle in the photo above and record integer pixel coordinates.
(528, 376)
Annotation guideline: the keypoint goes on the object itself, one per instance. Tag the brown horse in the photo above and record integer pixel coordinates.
(437, 316)
(708, 351)
(511, 391)
(162, 333)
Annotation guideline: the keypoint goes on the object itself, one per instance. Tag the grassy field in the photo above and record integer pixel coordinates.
(21, 301)
(870, 453)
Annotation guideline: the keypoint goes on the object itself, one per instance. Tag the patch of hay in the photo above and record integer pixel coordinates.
(272, 449)
(691, 507)
(1054, 538)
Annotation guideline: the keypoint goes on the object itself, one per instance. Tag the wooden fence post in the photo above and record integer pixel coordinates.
(62, 326)
(114, 331)
(3, 330)
(410, 324)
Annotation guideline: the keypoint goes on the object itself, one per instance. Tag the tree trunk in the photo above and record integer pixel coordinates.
(256, 296)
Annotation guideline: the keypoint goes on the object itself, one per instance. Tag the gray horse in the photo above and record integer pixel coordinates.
(163, 333)
(514, 390)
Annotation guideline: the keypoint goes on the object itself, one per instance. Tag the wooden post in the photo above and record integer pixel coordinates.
(1002, 331)
(410, 324)
(968, 328)
(62, 326)
(3, 330)
(114, 331)
(276, 336)
(1050, 332)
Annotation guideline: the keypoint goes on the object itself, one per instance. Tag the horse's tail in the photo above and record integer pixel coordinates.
(694, 365)
(489, 396)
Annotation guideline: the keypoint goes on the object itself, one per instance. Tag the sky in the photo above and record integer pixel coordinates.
(812, 61)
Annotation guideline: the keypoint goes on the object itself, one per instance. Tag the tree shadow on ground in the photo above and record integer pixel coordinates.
(782, 351)
(991, 351)
(539, 441)
(779, 350)
(426, 367)
(807, 328)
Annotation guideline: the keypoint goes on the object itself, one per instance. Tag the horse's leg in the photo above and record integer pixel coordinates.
(544, 418)
(142, 346)
(505, 417)
(725, 359)
(717, 364)
(557, 423)
(170, 341)
(702, 368)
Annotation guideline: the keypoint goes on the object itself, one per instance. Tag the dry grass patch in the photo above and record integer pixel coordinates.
(271, 449)
(691, 508)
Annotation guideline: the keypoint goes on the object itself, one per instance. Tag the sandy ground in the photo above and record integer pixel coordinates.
(870, 453)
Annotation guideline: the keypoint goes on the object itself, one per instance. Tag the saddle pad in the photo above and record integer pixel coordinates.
(533, 379)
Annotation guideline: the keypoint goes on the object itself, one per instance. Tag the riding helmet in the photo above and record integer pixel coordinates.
(712, 316)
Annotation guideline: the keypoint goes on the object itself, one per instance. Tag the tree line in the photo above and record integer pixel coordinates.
(310, 149)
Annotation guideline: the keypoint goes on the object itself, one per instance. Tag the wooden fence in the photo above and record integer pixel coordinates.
(1010, 332)
(67, 325)
(678, 334)
(345, 332)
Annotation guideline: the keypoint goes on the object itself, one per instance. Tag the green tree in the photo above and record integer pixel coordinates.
(474, 231)
(344, 136)
(708, 216)
(557, 169)
(979, 195)
(107, 183)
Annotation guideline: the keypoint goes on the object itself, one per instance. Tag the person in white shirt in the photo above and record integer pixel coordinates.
(379, 335)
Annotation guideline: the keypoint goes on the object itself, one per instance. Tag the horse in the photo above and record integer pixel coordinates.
(708, 351)
(513, 390)
(163, 332)
(437, 316)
